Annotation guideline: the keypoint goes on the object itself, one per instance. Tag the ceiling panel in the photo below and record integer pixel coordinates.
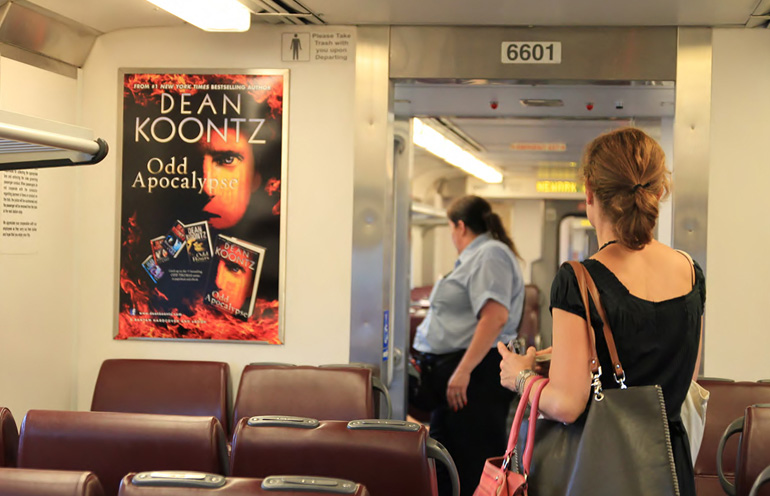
(463, 100)
(540, 13)
(466, 109)
(497, 135)
(111, 15)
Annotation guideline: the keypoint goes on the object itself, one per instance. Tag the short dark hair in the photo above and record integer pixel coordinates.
(476, 213)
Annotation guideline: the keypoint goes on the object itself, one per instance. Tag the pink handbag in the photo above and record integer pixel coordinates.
(498, 479)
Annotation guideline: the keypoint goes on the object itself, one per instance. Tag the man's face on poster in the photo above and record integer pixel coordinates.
(234, 281)
(228, 168)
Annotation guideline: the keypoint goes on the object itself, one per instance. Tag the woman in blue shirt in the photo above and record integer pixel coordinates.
(471, 309)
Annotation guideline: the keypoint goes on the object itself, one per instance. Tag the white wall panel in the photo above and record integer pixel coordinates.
(737, 326)
(37, 329)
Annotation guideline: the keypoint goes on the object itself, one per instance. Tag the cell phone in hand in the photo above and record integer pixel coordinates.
(515, 346)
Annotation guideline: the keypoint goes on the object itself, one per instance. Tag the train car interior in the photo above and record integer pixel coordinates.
(389, 110)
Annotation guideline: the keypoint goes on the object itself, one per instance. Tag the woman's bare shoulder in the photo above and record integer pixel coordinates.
(656, 272)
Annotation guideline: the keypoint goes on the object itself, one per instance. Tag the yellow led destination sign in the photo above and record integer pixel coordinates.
(539, 147)
(558, 187)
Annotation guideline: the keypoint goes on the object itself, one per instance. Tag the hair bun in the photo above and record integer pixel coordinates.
(616, 166)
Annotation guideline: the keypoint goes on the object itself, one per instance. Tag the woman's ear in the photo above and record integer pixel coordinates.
(589, 195)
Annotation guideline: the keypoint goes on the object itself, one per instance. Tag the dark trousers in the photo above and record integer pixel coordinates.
(477, 431)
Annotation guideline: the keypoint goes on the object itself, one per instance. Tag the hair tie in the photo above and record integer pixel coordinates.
(640, 185)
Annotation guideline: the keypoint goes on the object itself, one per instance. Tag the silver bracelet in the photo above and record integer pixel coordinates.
(521, 379)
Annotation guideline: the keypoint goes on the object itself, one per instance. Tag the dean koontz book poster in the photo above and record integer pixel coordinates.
(202, 163)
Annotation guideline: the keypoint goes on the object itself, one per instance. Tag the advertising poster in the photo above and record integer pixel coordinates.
(203, 171)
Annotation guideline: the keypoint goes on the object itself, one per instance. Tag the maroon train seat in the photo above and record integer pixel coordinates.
(201, 484)
(727, 401)
(30, 482)
(169, 387)
(9, 438)
(418, 307)
(389, 457)
(383, 407)
(114, 444)
(753, 450)
(529, 327)
(329, 393)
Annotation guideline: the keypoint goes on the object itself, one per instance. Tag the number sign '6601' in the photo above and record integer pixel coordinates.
(531, 52)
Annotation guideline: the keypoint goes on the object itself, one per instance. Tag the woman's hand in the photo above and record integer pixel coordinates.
(543, 361)
(512, 364)
(457, 389)
(545, 351)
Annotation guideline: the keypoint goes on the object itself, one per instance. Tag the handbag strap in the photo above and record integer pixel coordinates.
(587, 285)
(533, 411)
(580, 275)
(692, 264)
(513, 437)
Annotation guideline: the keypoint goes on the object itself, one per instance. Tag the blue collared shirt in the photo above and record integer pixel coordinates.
(485, 270)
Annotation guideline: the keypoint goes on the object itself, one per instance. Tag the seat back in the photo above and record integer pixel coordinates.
(201, 484)
(30, 482)
(169, 387)
(383, 407)
(114, 444)
(727, 401)
(529, 328)
(753, 449)
(9, 439)
(387, 456)
(329, 393)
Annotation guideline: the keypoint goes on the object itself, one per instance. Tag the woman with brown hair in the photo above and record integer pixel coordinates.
(653, 295)
(475, 306)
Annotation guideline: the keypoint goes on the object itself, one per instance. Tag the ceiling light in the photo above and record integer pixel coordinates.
(541, 102)
(426, 137)
(209, 15)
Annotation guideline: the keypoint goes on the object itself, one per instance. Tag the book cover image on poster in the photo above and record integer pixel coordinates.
(153, 269)
(202, 163)
(174, 241)
(198, 241)
(234, 276)
(159, 252)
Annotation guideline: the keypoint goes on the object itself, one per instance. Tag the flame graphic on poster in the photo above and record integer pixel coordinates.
(146, 89)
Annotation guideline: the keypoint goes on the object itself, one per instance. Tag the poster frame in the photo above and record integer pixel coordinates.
(285, 73)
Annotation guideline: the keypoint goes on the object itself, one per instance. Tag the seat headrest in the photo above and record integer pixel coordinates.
(31, 482)
(169, 387)
(9, 438)
(114, 444)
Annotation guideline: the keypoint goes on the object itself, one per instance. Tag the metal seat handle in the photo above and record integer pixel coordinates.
(437, 451)
(735, 427)
(379, 386)
(763, 477)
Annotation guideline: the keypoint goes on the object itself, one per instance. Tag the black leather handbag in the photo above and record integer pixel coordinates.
(620, 446)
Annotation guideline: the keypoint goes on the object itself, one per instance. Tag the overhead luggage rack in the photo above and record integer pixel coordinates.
(30, 142)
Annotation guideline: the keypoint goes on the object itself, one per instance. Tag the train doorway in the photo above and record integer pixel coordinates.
(530, 120)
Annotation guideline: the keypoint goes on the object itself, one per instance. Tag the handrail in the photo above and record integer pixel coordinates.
(30, 142)
(437, 451)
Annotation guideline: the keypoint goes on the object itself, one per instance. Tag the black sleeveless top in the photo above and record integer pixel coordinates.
(657, 343)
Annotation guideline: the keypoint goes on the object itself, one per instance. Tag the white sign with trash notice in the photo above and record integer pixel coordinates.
(335, 46)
